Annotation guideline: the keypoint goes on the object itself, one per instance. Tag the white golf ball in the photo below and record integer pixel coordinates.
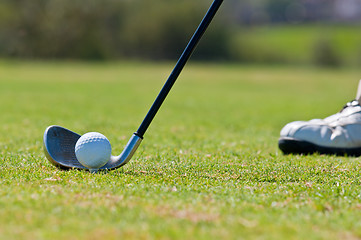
(93, 150)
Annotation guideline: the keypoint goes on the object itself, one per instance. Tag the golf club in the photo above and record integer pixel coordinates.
(59, 142)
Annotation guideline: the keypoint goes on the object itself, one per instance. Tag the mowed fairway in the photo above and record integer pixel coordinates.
(208, 167)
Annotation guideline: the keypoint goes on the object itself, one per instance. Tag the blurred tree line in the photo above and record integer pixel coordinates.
(107, 29)
(159, 29)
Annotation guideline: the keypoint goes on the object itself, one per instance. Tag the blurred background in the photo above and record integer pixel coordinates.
(317, 32)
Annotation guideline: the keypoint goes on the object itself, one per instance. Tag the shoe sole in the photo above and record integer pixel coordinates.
(295, 146)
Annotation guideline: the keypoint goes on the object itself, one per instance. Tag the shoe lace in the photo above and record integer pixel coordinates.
(352, 103)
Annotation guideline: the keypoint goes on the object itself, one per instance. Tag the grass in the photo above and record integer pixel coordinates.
(208, 168)
(297, 43)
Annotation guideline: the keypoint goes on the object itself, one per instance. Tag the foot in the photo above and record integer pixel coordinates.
(338, 134)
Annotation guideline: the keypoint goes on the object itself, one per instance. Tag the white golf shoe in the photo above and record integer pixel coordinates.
(338, 134)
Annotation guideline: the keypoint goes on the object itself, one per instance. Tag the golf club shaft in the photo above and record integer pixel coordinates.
(178, 67)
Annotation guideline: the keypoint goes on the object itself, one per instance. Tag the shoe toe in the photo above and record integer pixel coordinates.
(291, 128)
(316, 133)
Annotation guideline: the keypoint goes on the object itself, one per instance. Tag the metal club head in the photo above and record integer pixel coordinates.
(59, 148)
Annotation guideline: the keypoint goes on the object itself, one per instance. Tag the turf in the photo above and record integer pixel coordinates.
(298, 43)
(208, 168)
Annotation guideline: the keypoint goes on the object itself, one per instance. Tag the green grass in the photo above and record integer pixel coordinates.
(208, 168)
(297, 43)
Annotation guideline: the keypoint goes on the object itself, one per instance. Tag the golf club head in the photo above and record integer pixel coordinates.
(59, 147)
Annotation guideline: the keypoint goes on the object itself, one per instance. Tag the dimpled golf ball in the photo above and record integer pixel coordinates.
(93, 150)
